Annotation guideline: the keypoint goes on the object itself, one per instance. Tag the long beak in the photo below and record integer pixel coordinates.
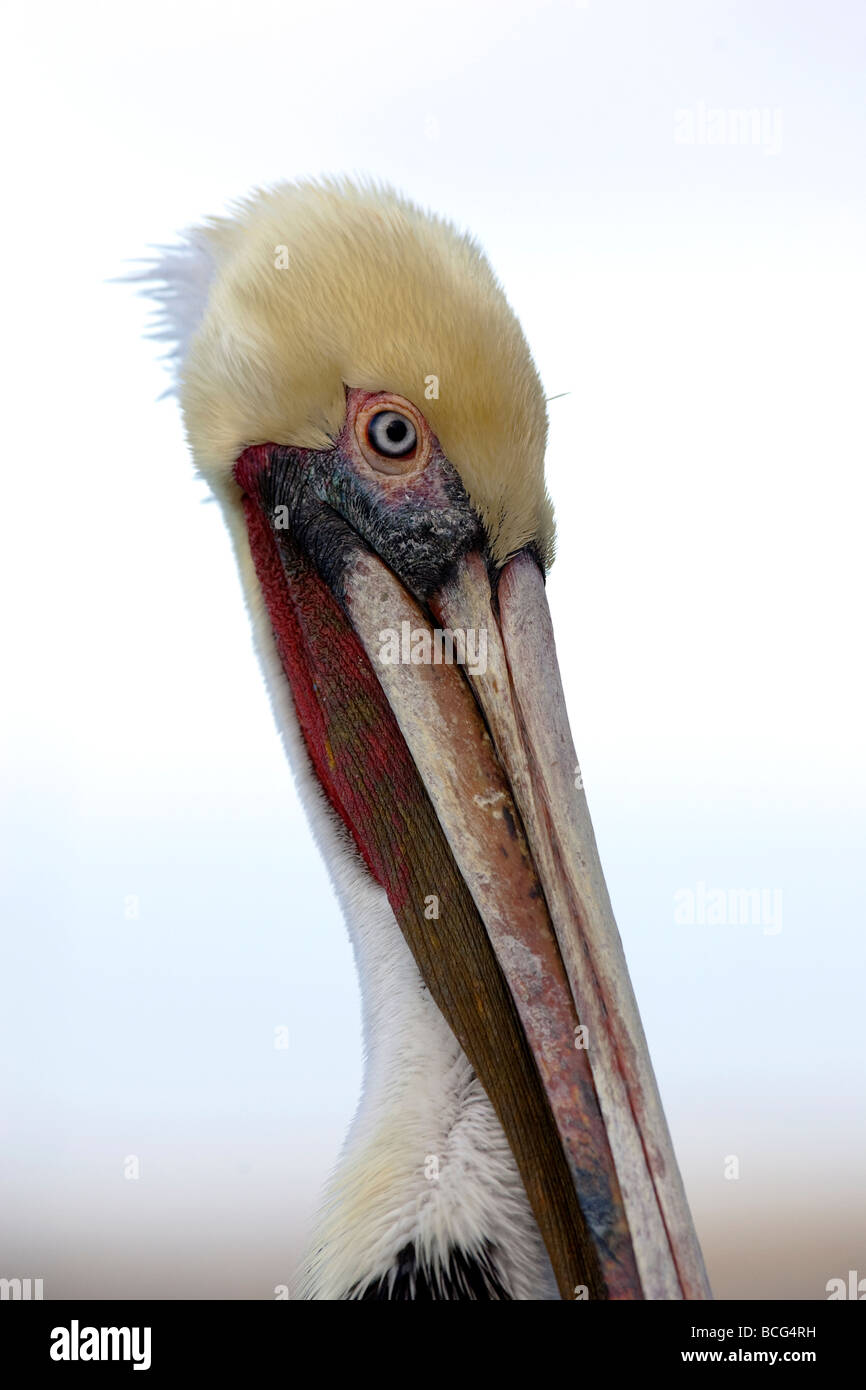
(497, 760)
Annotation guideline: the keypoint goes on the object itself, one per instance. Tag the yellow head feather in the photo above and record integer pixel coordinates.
(318, 286)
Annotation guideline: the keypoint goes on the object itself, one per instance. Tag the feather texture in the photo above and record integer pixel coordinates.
(312, 287)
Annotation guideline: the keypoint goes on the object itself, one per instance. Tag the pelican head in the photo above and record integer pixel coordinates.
(361, 399)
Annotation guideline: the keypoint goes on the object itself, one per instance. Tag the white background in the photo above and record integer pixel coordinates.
(703, 305)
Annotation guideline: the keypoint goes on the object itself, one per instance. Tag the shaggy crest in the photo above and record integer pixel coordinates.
(314, 287)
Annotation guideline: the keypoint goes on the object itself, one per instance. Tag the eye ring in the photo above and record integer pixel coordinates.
(391, 434)
(403, 453)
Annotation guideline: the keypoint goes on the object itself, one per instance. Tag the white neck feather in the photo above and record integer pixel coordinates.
(426, 1161)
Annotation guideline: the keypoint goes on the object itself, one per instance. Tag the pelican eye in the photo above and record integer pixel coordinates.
(392, 435)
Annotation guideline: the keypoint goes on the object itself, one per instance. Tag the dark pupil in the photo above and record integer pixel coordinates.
(396, 431)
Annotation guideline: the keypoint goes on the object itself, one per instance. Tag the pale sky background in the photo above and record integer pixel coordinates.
(703, 305)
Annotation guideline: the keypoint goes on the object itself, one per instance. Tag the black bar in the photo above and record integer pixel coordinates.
(221, 1339)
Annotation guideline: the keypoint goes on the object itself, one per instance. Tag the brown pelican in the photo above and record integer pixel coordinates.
(360, 397)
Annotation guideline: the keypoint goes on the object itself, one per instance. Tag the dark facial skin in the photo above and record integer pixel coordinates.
(330, 508)
(413, 513)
